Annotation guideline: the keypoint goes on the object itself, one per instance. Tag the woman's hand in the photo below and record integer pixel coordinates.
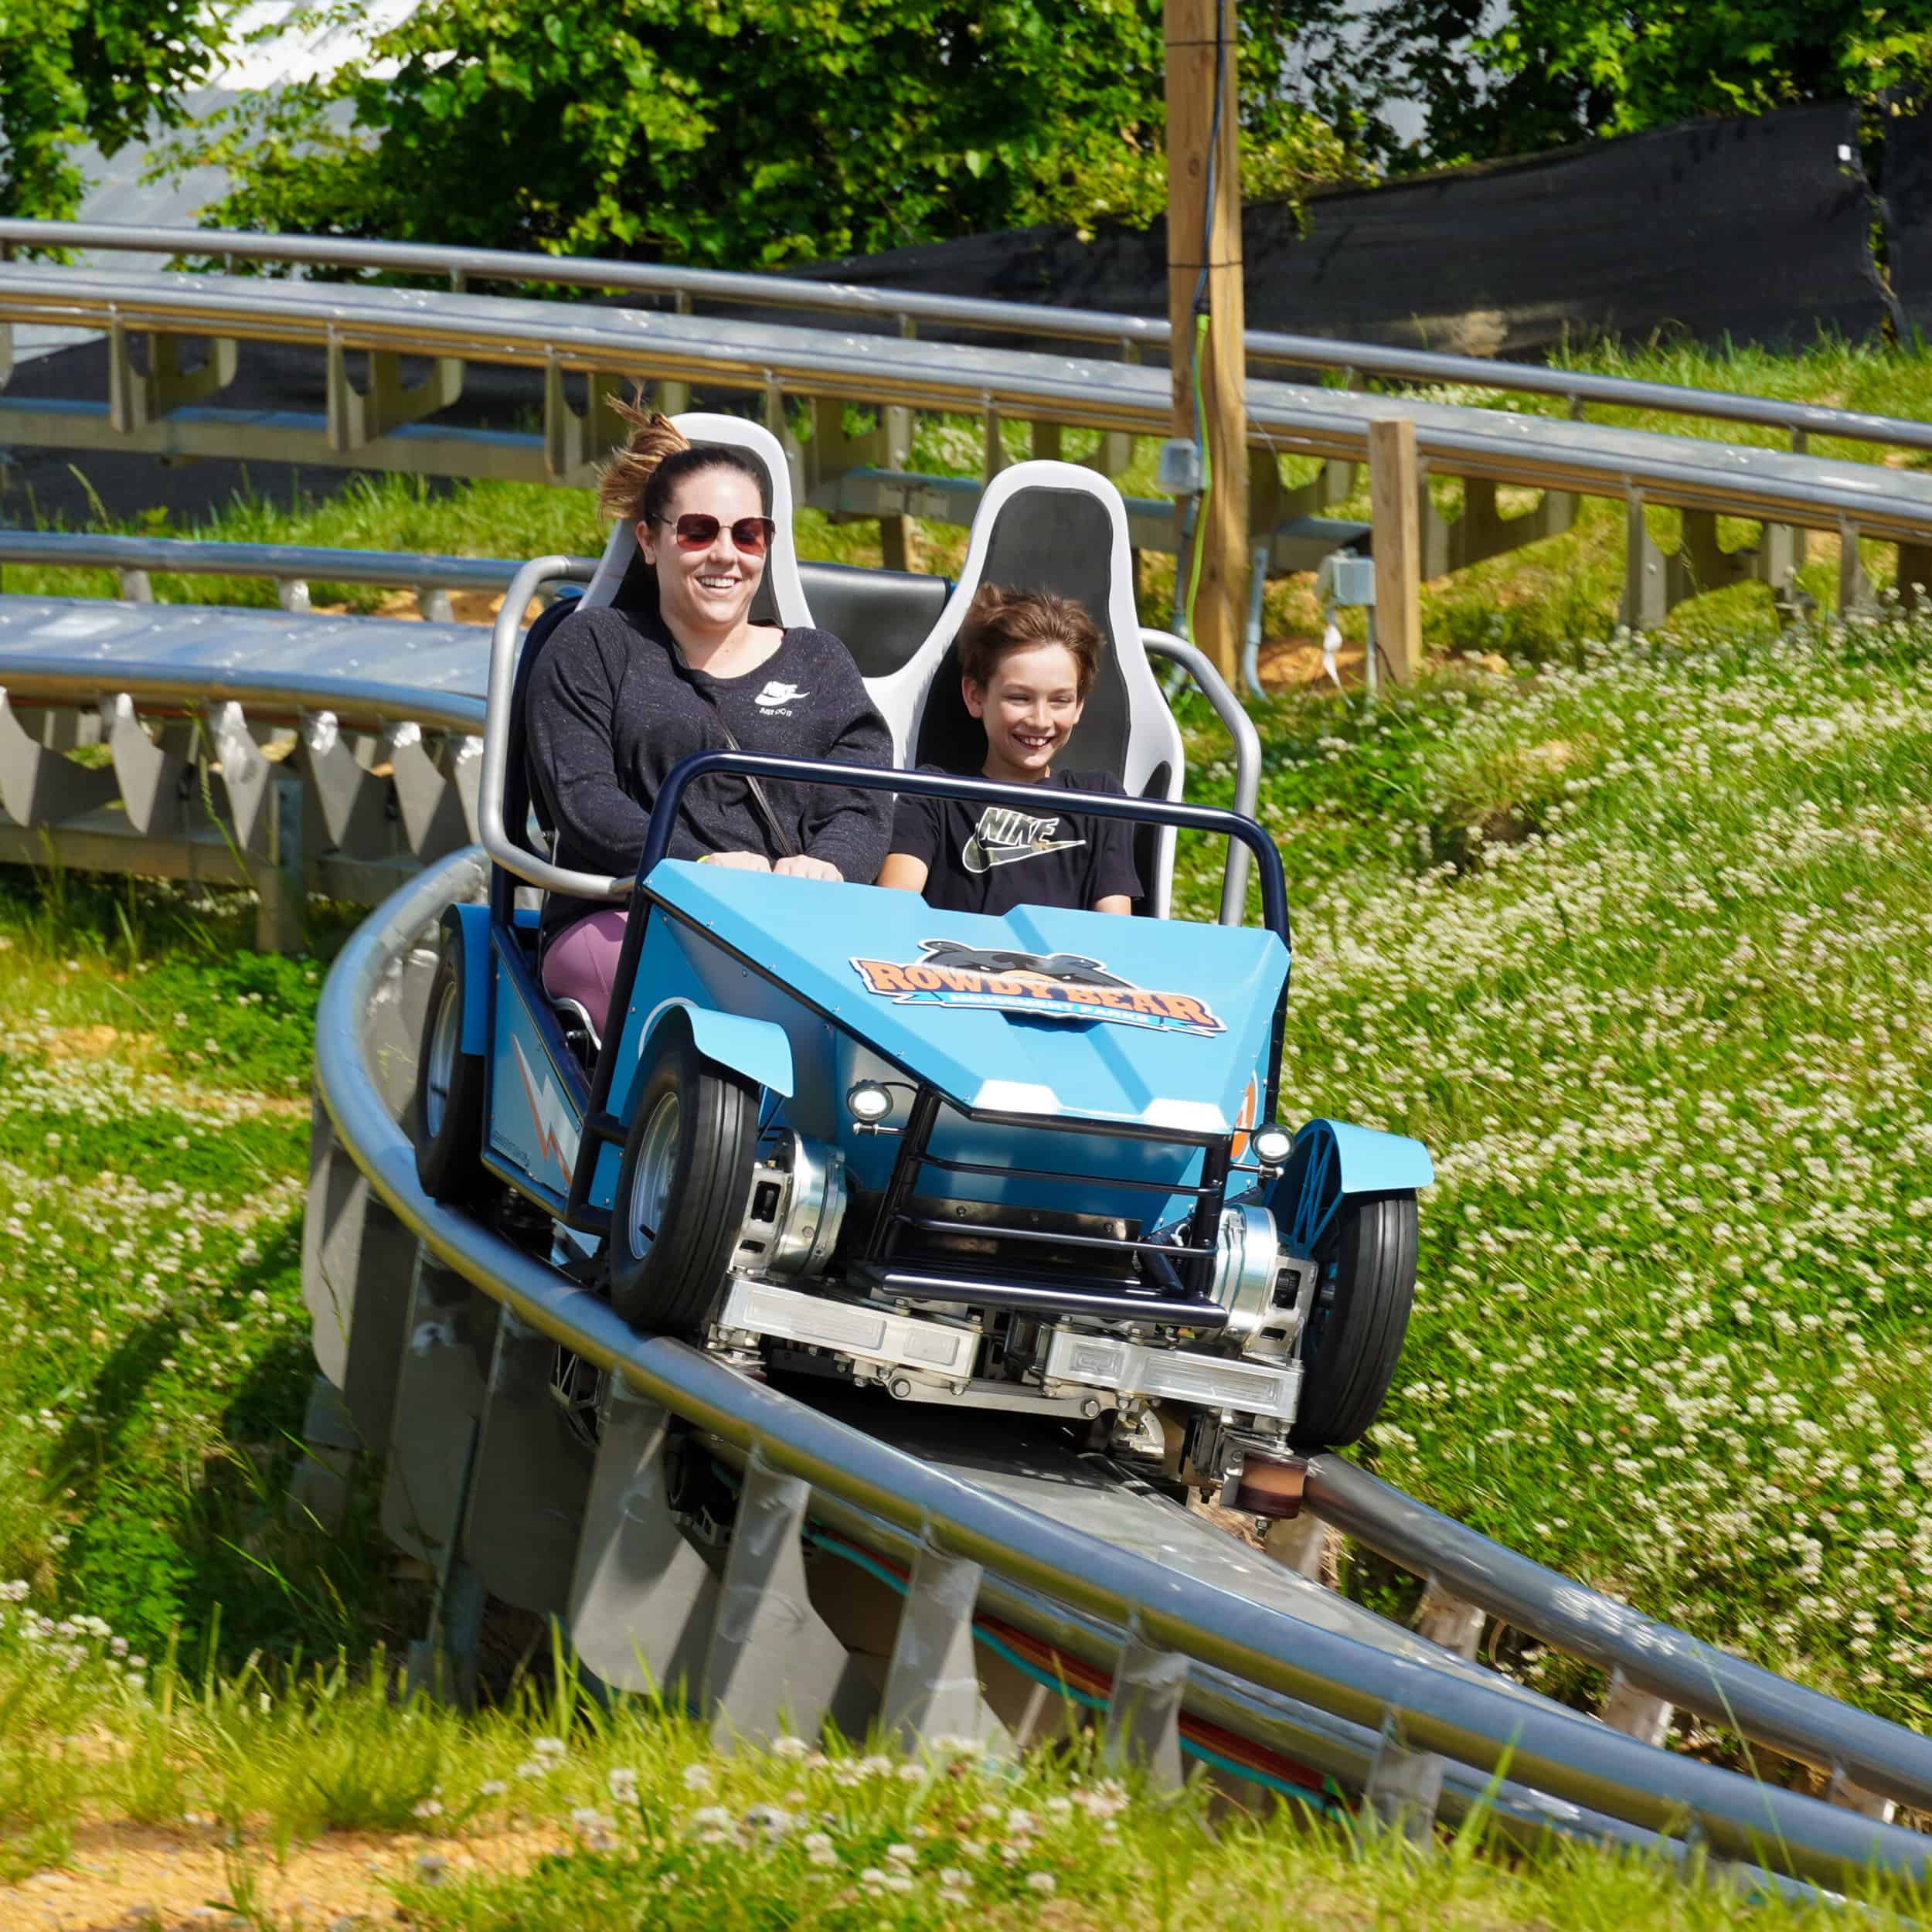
(739, 860)
(804, 867)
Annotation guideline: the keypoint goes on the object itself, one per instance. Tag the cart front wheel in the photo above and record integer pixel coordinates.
(1352, 1338)
(449, 1086)
(681, 1187)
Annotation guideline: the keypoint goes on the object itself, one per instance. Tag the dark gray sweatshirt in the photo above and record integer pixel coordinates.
(609, 711)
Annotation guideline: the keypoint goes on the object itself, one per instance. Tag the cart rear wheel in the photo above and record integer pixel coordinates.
(1352, 1339)
(681, 1187)
(449, 1086)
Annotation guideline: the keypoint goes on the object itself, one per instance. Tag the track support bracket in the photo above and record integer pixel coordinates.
(933, 1689)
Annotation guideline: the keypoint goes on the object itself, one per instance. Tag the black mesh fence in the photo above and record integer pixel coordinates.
(1756, 230)
(1908, 217)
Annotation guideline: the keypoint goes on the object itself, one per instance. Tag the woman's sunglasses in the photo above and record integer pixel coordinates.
(695, 531)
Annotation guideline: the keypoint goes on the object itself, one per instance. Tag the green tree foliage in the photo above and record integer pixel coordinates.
(1549, 72)
(105, 70)
(742, 133)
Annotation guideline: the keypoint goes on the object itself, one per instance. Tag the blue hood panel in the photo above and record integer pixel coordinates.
(1039, 1013)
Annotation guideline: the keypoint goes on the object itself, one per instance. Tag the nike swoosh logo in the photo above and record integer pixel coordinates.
(976, 859)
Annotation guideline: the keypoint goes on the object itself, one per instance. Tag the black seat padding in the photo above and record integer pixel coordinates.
(518, 795)
(1060, 541)
(882, 617)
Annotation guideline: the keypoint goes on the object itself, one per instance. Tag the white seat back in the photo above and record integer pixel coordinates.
(1052, 526)
(622, 575)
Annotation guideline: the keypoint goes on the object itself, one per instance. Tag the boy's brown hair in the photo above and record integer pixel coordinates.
(999, 622)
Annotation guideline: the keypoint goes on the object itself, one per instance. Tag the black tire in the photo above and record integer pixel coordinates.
(449, 1087)
(681, 1187)
(1352, 1339)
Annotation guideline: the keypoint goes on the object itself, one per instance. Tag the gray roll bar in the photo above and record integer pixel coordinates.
(506, 634)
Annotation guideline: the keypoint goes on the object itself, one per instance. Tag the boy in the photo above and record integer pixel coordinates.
(1027, 661)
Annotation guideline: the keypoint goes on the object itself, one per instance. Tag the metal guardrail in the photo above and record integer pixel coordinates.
(1487, 448)
(1133, 334)
(292, 567)
(1435, 1710)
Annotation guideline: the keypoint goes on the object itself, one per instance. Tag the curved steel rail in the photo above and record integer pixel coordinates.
(1131, 333)
(1493, 1729)
(1766, 1709)
(1728, 479)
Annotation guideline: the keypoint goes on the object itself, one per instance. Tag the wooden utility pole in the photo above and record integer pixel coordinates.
(1204, 231)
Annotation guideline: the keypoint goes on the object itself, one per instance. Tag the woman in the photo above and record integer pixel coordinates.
(619, 697)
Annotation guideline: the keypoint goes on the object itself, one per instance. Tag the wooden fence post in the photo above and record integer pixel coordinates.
(1395, 511)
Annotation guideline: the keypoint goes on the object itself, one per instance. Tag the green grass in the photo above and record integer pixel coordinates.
(557, 1812)
(1641, 949)
(154, 1129)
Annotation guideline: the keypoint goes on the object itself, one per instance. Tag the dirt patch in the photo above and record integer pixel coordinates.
(97, 1043)
(125, 1877)
(1553, 755)
(466, 607)
(1286, 664)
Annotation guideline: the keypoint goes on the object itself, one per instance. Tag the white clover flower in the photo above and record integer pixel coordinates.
(711, 1825)
(622, 1784)
(767, 1821)
(819, 1849)
(698, 1778)
(1042, 1882)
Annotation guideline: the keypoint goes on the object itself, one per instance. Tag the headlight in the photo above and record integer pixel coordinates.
(869, 1103)
(1272, 1145)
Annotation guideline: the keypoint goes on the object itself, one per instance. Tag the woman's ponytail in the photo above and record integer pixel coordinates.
(636, 482)
(623, 478)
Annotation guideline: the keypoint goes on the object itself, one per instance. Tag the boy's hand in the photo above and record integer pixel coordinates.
(738, 860)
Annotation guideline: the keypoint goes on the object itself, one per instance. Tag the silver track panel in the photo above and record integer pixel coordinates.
(191, 655)
(1041, 1471)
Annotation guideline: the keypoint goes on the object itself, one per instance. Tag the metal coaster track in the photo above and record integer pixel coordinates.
(860, 347)
(1054, 1542)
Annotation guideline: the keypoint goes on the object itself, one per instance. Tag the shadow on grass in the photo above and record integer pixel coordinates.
(206, 1546)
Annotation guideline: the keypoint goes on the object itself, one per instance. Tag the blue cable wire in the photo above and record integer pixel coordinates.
(1300, 1793)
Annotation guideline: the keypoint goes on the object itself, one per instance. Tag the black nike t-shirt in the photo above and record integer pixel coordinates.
(989, 859)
